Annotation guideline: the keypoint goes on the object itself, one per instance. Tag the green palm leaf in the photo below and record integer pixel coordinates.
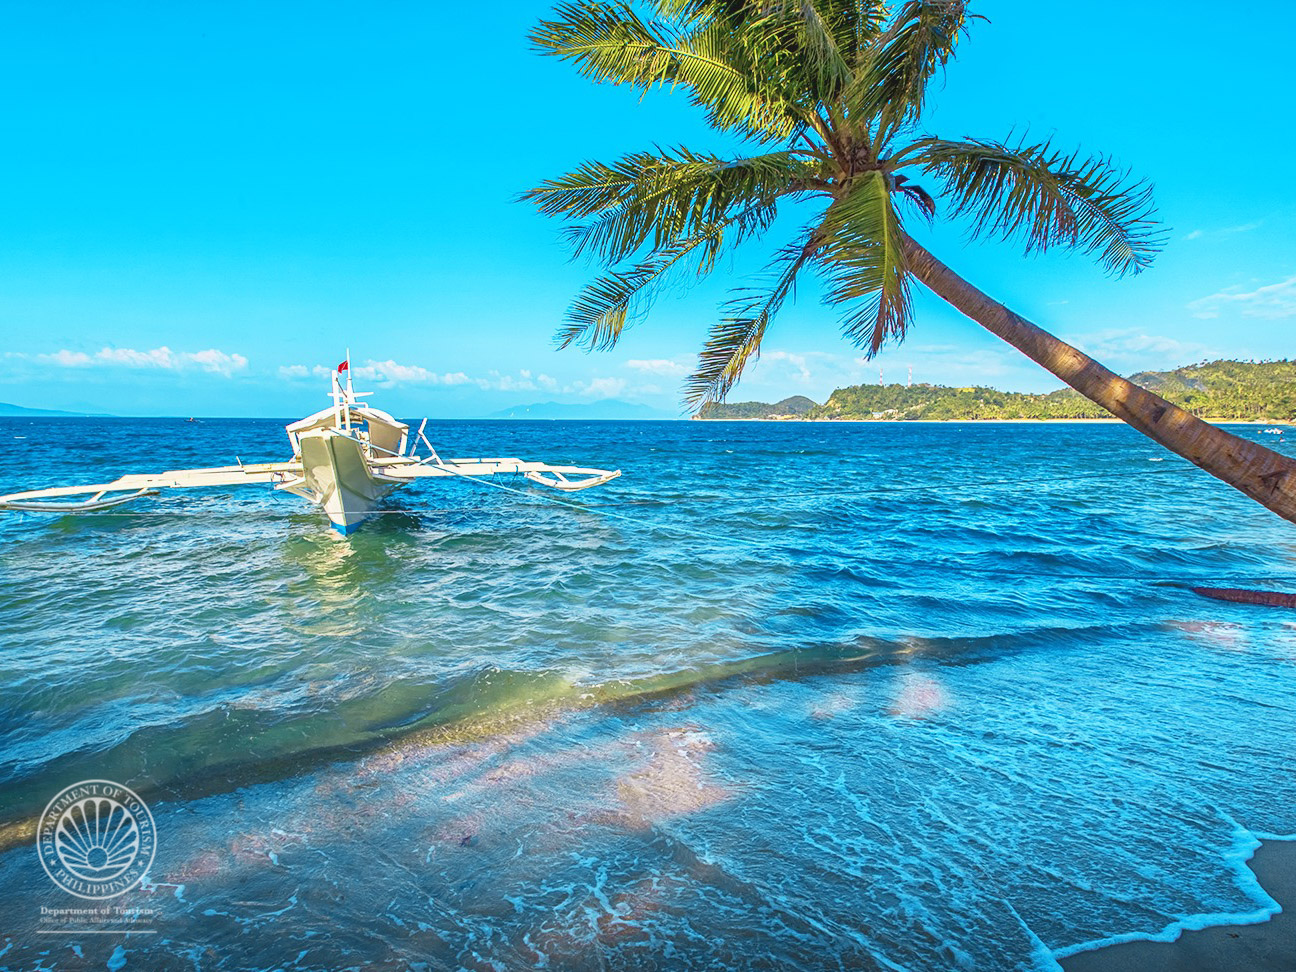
(666, 196)
(1048, 198)
(824, 42)
(600, 312)
(735, 340)
(609, 42)
(864, 263)
(891, 86)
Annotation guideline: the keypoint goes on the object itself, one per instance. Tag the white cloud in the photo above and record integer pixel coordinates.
(217, 361)
(664, 367)
(157, 358)
(814, 373)
(1146, 350)
(499, 382)
(601, 387)
(210, 360)
(1197, 234)
(799, 363)
(525, 380)
(297, 372)
(391, 373)
(1272, 302)
(68, 359)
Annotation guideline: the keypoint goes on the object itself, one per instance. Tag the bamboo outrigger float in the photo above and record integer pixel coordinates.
(345, 460)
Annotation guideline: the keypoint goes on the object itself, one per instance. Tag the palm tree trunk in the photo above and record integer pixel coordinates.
(1260, 473)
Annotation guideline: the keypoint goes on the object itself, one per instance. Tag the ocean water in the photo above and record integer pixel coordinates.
(822, 696)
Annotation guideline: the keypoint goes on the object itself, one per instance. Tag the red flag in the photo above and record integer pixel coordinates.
(344, 365)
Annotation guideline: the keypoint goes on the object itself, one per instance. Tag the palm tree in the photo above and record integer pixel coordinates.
(830, 94)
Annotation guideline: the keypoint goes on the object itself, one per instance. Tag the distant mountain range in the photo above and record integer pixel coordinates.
(1222, 390)
(14, 411)
(608, 409)
(796, 407)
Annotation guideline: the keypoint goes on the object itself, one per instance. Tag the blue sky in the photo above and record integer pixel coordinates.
(202, 203)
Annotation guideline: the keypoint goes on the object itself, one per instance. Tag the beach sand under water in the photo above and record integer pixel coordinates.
(1268, 945)
(817, 697)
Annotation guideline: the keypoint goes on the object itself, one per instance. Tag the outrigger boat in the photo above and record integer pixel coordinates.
(345, 460)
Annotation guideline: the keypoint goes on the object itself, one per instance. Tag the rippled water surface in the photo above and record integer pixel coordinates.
(784, 695)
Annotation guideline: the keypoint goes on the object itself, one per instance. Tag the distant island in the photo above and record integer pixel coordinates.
(1237, 391)
(796, 407)
(18, 411)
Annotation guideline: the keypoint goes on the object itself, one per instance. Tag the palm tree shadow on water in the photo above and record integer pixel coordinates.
(472, 707)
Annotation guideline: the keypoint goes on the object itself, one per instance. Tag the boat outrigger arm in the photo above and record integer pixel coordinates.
(345, 460)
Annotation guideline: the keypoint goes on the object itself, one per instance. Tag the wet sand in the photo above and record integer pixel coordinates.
(1269, 946)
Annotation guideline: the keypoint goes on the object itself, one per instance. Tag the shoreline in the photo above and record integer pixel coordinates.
(1265, 944)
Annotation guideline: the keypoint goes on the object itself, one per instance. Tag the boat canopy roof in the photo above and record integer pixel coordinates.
(328, 418)
(384, 431)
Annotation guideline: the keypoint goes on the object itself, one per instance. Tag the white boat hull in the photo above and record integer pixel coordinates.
(339, 479)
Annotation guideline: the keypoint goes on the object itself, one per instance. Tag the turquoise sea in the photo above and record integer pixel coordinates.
(813, 696)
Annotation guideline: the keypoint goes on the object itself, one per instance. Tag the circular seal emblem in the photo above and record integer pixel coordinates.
(96, 839)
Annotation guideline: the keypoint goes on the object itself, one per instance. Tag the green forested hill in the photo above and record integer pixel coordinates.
(1220, 390)
(798, 406)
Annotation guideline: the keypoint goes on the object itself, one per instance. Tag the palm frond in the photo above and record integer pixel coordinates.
(864, 263)
(825, 42)
(598, 315)
(890, 88)
(818, 39)
(609, 42)
(741, 78)
(665, 196)
(867, 20)
(598, 186)
(734, 341)
(601, 310)
(854, 24)
(696, 12)
(1048, 198)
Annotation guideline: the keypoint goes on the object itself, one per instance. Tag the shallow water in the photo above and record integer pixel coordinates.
(823, 695)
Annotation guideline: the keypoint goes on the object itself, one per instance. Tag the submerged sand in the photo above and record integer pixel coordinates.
(1269, 946)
